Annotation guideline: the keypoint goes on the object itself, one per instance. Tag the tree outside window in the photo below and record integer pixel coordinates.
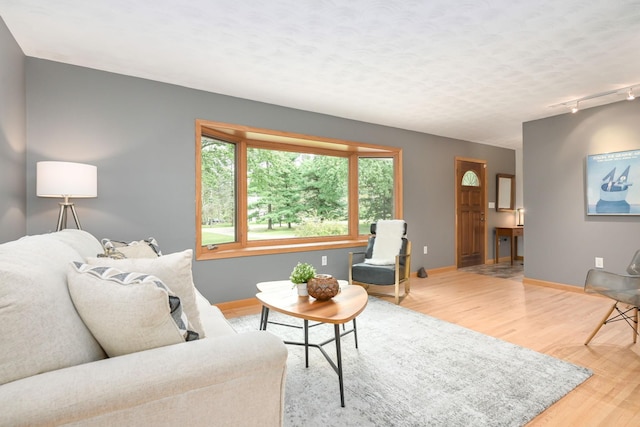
(260, 192)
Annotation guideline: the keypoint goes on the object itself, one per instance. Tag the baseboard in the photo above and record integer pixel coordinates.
(560, 286)
(240, 303)
(504, 259)
(437, 270)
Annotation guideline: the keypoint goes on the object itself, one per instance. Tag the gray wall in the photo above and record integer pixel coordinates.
(561, 241)
(12, 138)
(141, 136)
(519, 192)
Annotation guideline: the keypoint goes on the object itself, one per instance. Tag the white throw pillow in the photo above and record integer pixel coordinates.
(40, 329)
(127, 312)
(148, 248)
(173, 269)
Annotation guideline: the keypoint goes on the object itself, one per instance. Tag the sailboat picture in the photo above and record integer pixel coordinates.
(609, 191)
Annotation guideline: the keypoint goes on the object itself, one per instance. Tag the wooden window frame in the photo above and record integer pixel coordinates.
(245, 137)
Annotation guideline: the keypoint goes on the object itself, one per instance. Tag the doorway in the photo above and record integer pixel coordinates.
(471, 211)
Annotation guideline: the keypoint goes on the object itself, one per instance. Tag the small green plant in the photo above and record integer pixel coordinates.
(302, 272)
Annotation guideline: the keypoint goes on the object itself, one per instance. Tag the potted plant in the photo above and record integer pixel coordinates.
(301, 273)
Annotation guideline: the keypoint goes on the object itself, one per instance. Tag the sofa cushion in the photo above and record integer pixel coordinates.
(83, 242)
(173, 269)
(375, 274)
(213, 321)
(40, 328)
(148, 248)
(127, 312)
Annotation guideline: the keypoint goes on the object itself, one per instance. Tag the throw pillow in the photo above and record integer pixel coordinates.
(127, 312)
(148, 248)
(40, 329)
(173, 269)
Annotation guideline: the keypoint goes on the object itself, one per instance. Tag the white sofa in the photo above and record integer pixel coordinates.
(54, 372)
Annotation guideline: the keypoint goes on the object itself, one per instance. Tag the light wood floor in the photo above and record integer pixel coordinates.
(548, 320)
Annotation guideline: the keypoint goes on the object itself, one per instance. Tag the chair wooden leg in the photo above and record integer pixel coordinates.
(602, 322)
(397, 286)
(635, 325)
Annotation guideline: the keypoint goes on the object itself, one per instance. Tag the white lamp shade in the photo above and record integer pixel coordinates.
(66, 179)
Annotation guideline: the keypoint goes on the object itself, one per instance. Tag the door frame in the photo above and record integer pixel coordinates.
(484, 205)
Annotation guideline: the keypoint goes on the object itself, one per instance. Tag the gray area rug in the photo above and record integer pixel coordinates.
(414, 370)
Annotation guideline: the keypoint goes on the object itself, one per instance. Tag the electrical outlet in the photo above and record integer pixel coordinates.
(599, 262)
(425, 250)
(324, 260)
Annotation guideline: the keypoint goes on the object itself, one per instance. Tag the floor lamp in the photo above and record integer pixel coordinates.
(66, 180)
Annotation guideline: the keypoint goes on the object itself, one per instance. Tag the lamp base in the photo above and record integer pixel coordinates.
(62, 216)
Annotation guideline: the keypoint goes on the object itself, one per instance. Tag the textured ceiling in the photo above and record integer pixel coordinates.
(467, 69)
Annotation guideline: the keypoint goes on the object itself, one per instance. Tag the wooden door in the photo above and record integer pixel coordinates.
(470, 212)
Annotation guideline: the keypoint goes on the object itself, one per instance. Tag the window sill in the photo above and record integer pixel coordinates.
(204, 254)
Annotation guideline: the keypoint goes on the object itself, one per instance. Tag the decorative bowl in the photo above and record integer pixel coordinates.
(323, 287)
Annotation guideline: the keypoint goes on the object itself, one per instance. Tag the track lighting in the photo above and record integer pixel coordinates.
(630, 95)
(575, 108)
(574, 105)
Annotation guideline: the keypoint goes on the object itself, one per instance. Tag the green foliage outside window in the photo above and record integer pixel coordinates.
(289, 194)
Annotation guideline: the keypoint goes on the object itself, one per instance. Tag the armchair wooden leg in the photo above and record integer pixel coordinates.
(602, 323)
(397, 286)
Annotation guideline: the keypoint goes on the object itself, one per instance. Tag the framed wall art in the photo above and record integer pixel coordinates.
(613, 183)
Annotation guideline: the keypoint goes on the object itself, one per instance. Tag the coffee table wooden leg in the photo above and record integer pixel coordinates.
(306, 343)
(339, 357)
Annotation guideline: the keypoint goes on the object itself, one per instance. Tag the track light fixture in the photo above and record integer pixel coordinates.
(630, 95)
(575, 108)
(574, 105)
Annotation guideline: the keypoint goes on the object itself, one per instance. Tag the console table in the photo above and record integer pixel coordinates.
(512, 233)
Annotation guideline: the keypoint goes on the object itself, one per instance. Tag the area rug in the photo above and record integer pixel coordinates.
(414, 370)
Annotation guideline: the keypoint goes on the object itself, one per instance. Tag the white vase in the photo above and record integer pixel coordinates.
(302, 289)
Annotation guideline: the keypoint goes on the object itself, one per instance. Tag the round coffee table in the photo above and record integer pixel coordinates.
(344, 307)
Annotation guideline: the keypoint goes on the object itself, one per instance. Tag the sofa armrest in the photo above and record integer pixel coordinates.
(230, 380)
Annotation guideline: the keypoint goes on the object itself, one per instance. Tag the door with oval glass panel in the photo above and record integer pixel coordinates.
(471, 212)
